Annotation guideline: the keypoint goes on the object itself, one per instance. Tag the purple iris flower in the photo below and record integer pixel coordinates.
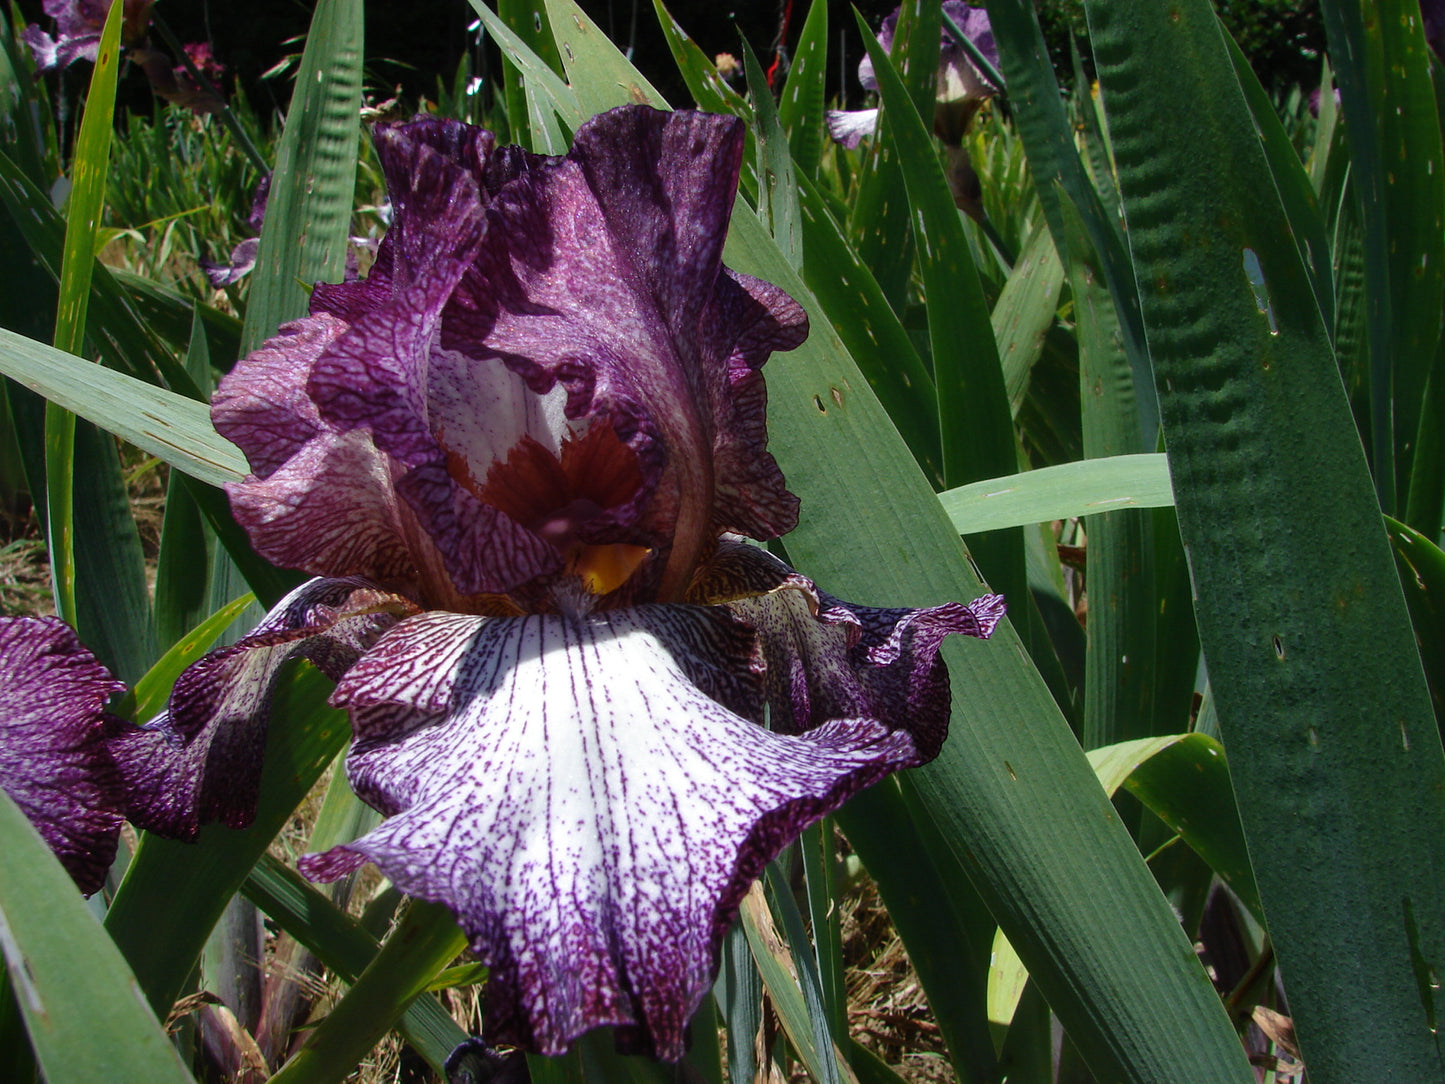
(55, 760)
(962, 88)
(521, 457)
(78, 24)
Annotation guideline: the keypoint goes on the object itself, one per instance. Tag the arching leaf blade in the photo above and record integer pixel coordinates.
(1313, 667)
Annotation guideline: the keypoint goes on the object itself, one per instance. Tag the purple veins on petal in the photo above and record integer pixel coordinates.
(607, 276)
(592, 797)
(548, 373)
(199, 761)
(54, 759)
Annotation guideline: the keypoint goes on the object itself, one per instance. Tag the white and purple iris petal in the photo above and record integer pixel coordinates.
(592, 796)
(536, 421)
(54, 759)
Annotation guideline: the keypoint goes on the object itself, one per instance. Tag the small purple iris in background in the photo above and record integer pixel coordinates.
(521, 457)
(78, 25)
(961, 91)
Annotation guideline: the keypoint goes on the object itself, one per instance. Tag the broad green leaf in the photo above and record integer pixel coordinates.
(818, 856)
(528, 21)
(1422, 573)
(804, 967)
(425, 940)
(1120, 661)
(173, 892)
(1182, 779)
(114, 609)
(860, 315)
(308, 212)
(1007, 977)
(187, 549)
(1084, 488)
(1291, 183)
(600, 76)
(1312, 664)
(546, 96)
(85, 205)
(170, 426)
(1011, 792)
(86, 1017)
(1426, 500)
(707, 87)
(777, 189)
(25, 104)
(975, 422)
(1382, 65)
(1026, 309)
(738, 993)
(1053, 159)
(801, 106)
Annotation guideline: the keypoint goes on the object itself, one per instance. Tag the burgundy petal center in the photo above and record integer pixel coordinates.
(562, 496)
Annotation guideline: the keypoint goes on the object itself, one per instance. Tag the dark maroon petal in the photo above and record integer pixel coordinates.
(548, 356)
(602, 271)
(584, 793)
(199, 761)
(53, 732)
(320, 500)
(752, 498)
(828, 659)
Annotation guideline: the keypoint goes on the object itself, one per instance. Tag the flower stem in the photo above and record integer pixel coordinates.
(425, 941)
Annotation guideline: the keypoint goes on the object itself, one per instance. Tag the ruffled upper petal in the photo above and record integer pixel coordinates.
(547, 357)
(54, 761)
(604, 273)
(199, 761)
(592, 797)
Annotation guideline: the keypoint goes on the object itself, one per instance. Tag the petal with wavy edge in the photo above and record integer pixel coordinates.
(578, 792)
(200, 760)
(53, 731)
(828, 659)
(602, 271)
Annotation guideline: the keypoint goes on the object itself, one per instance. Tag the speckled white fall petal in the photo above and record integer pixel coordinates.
(585, 794)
